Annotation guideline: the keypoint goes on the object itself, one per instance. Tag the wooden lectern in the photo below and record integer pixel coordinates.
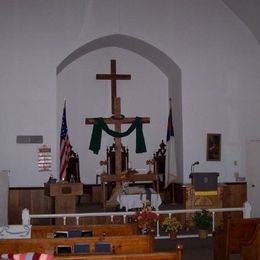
(65, 198)
(204, 192)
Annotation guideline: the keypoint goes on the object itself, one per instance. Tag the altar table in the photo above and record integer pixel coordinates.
(131, 178)
(134, 197)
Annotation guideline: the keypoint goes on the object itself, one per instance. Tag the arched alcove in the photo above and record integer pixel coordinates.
(163, 62)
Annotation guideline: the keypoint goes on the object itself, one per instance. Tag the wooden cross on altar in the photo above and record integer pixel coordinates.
(117, 120)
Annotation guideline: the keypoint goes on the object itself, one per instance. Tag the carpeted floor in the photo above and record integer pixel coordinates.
(193, 248)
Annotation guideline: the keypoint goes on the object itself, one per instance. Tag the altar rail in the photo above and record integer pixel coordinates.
(246, 210)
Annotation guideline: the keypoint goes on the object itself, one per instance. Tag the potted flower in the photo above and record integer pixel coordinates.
(203, 221)
(103, 163)
(171, 226)
(146, 218)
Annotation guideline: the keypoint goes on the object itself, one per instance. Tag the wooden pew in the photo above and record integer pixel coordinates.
(177, 255)
(119, 244)
(229, 240)
(98, 230)
(251, 249)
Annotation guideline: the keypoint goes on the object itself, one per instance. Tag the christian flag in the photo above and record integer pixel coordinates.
(65, 146)
(170, 158)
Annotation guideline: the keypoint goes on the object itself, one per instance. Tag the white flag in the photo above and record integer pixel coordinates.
(170, 158)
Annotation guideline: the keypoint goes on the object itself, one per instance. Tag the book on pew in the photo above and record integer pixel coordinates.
(63, 249)
(102, 247)
(81, 248)
(74, 233)
(58, 234)
(87, 233)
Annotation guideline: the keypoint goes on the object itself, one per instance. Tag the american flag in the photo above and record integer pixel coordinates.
(170, 160)
(65, 146)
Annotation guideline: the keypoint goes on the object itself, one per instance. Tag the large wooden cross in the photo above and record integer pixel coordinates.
(113, 77)
(117, 120)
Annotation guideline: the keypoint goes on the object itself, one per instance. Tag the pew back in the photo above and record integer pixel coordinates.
(239, 231)
(119, 244)
(229, 240)
(144, 256)
(251, 249)
(98, 230)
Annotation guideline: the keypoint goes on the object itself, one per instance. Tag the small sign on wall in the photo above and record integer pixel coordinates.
(44, 159)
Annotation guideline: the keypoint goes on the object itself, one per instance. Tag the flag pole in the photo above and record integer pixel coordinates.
(65, 146)
(170, 168)
(172, 184)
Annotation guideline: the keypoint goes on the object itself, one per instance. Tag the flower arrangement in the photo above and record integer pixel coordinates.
(150, 163)
(171, 225)
(145, 217)
(103, 164)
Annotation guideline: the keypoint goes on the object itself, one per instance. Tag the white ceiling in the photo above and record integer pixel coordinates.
(249, 12)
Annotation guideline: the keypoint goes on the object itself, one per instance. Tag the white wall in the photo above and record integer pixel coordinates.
(218, 57)
(4, 186)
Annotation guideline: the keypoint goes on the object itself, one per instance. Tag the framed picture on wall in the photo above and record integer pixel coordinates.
(213, 147)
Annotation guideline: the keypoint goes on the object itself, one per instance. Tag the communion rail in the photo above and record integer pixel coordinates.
(246, 210)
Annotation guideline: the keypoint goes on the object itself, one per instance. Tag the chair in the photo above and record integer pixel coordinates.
(159, 161)
(111, 163)
(111, 159)
(72, 173)
(159, 168)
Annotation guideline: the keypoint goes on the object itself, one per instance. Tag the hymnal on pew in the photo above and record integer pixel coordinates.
(58, 234)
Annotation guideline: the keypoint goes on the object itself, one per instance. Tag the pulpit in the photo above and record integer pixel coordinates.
(203, 192)
(65, 198)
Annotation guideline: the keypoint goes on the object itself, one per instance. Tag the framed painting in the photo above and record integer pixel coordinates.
(213, 147)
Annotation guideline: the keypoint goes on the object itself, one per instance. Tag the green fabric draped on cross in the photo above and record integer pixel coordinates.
(100, 125)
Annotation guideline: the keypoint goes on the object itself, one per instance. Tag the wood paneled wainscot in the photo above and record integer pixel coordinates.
(32, 198)
(234, 196)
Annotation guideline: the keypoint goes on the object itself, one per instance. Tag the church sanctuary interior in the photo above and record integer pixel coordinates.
(130, 129)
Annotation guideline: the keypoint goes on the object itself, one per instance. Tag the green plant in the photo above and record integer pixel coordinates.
(171, 225)
(203, 219)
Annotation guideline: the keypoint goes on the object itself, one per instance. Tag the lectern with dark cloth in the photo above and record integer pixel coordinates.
(205, 183)
(204, 192)
(65, 198)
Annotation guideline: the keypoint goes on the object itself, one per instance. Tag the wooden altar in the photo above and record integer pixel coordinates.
(64, 196)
